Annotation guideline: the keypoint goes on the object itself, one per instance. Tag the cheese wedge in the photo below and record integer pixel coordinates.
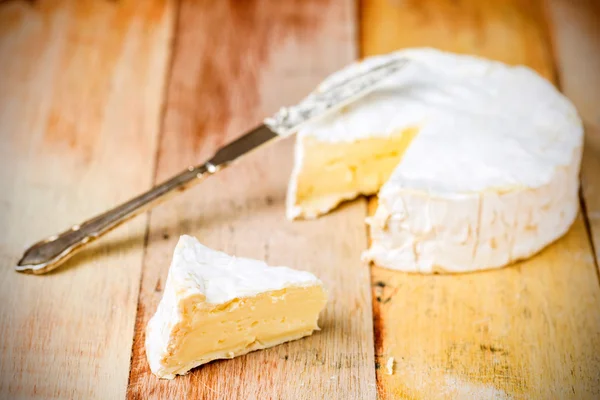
(217, 306)
(476, 163)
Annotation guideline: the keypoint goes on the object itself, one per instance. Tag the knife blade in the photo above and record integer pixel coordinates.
(48, 254)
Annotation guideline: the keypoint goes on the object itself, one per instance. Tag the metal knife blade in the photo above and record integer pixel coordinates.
(46, 255)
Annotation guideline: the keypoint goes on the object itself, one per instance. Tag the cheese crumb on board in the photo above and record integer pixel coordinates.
(389, 366)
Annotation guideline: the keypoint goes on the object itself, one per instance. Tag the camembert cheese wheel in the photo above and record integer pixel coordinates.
(476, 163)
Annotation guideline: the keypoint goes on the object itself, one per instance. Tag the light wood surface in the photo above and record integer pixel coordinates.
(526, 331)
(79, 110)
(251, 72)
(99, 100)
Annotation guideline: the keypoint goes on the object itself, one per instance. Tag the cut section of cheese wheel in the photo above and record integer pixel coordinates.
(476, 163)
(217, 306)
(331, 172)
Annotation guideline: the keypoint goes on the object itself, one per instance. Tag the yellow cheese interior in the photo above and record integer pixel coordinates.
(333, 172)
(214, 331)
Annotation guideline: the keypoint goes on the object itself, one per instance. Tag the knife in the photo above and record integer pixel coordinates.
(46, 255)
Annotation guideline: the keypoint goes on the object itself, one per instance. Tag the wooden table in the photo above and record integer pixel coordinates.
(99, 100)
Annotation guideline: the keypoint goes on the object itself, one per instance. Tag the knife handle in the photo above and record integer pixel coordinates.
(48, 254)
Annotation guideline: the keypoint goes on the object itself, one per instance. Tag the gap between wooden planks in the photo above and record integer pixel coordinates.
(79, 111)
(527, 331)
(233, 64)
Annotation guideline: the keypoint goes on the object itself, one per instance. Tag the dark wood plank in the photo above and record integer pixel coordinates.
(235, 63)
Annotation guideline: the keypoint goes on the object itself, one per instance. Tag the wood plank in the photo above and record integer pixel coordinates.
(525, 331)
(79, 111)
(268, 53)
(576, 33)
(509, 30)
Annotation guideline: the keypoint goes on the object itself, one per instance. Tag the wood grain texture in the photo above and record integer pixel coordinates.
(513, 31)
(235, 63)
(79, 110)
(576, 33)
(526, 331)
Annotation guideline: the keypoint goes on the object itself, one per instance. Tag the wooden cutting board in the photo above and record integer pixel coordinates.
(100, 100)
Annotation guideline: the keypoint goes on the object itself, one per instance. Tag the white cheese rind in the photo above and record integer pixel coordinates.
(414, 232)
(491, 177)
(219, 278)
